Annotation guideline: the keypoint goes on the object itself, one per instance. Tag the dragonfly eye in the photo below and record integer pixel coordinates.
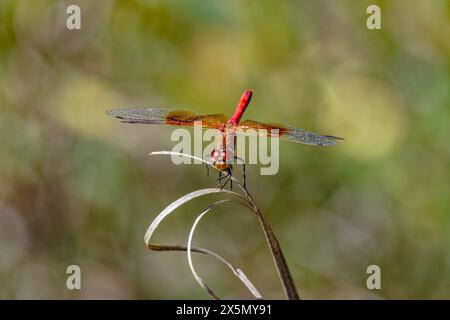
(214, 154)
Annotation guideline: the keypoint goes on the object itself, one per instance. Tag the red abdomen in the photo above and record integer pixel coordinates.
(242, 105)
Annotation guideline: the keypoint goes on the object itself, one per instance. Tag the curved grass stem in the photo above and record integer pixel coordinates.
(245, 199)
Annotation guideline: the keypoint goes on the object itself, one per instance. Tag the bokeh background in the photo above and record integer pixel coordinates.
(78, 187)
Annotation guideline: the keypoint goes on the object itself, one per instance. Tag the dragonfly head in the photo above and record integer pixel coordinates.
(218, 158)
(218, 155)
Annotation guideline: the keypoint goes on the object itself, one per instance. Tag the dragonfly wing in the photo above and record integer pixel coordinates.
(141, 115)
(287, 133)
(167, 116)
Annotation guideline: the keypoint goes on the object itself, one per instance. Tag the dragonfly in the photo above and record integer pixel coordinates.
(223, 156)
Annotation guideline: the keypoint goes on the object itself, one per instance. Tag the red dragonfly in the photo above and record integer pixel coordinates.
(223, 155)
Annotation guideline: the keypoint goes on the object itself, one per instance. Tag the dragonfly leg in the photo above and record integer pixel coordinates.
(243, 170)
(245, 179)
(207, 169)
(218, 180)
(207, 164)
(227, 176)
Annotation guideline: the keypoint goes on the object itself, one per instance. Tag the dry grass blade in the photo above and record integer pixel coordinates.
(173, 153)
(173, 206)
(179, 202)
(278, 256)
(237, 272)
(275, 249)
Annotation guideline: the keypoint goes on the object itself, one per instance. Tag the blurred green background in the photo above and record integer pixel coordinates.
(78, 187)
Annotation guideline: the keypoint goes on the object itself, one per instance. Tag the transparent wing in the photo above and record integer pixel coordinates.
(167, 116)
(287, 133)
